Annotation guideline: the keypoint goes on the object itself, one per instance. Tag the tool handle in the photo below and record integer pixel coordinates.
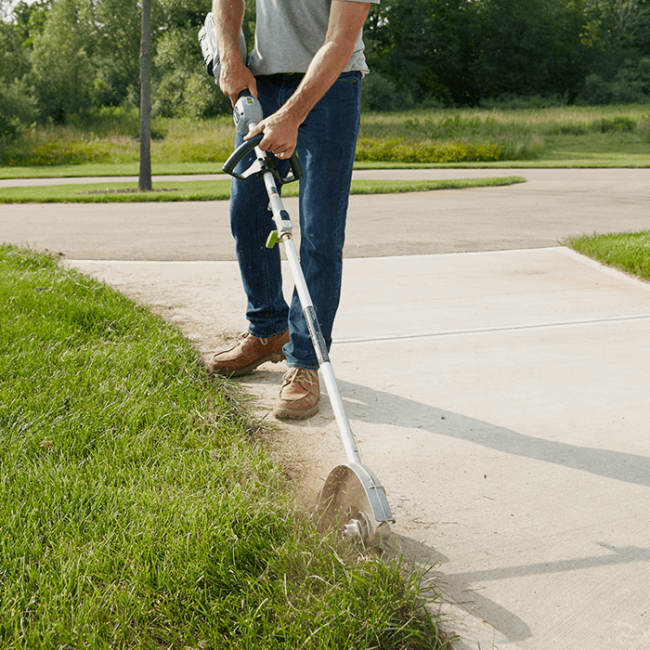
(245, 148)
(239, 153)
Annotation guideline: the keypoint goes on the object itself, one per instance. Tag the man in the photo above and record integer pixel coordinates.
(306, 71)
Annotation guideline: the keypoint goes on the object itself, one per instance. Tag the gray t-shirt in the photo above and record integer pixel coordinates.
(288, 34)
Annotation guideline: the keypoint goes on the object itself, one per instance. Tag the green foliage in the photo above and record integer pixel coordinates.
(189, 95)
(80, 55)
(14, 61)
(17, 110)
(115, 31)
(616, 26)
(618, 123)
(62, 69)
(529, 48)
(463, 53)
(419, 45)
(630, 84)
(378, 93)
(183, 88)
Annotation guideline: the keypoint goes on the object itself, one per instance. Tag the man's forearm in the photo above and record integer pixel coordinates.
(228, 19)
(345, 24)
(235, 76)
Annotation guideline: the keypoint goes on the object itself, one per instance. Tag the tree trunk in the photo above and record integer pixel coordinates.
(144, 182)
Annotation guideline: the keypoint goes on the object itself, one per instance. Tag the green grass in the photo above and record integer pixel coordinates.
(217, 190)
(137, 510)
(629, 252)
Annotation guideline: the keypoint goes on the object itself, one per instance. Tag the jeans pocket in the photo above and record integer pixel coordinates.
(352, 77)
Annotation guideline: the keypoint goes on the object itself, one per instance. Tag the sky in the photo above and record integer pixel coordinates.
(6, 7)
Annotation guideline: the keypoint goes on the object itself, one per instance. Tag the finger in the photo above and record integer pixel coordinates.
(287, 152)
(256, 130)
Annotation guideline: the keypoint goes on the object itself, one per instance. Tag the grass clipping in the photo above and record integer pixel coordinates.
(135, 512)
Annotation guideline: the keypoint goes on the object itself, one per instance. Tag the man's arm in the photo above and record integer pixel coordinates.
(235, 76)
(281, 129)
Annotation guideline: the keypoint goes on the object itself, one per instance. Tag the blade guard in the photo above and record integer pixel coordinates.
(352, 493)
(258, 168)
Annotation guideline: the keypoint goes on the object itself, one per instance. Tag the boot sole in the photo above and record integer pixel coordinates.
(288, 414)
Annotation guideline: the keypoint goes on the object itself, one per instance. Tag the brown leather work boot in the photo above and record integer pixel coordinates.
(299, 395)
(249, 353)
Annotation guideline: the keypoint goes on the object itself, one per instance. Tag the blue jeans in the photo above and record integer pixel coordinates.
(326, 146)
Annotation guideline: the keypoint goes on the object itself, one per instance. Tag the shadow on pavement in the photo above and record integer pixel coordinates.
(380, 407)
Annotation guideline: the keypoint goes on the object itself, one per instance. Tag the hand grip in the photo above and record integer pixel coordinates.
(245, 148)
(237, 155)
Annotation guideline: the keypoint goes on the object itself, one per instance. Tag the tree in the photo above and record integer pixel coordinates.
(17, 108)
(184, 89)
(115, 30)
(529, 47)
(619, 24)
(62, 70)
(419, 46)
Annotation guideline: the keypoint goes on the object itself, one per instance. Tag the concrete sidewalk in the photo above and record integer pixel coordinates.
(502, 399)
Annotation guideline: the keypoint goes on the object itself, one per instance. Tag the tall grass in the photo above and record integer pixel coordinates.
(137, 510)
(425, 136)
(498, 134)
(113, 137)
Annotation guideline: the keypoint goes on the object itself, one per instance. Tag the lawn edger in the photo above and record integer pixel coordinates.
(352, 498)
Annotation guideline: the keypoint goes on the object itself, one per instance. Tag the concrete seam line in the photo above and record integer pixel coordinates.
(492, 330)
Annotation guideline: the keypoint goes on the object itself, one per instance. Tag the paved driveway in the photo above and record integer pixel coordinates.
(551, 205)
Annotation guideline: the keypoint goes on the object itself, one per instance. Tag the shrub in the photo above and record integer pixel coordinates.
(619, 123)
(631, 85)
(572, 128)
(17, 110)
(202, 98)
(448, 152)
(379, 94)
(596, 91)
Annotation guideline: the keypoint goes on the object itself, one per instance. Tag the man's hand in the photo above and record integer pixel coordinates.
(234, 79)
(235, 76)
(280, 134)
